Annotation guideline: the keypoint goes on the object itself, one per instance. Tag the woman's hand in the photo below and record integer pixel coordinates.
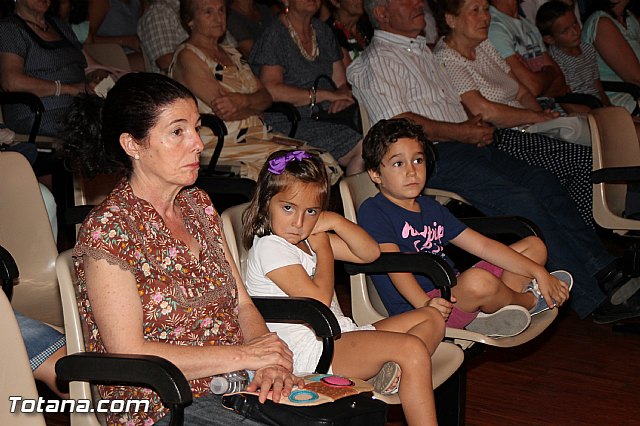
(228, 105)
(268, 350)
(553, 289)
(545, 115)
(442, 305)
(275, 380)
(339, 99)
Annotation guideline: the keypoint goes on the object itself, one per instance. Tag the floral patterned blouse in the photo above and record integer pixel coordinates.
(186, 300)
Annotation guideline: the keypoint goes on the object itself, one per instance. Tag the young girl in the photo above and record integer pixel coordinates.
(293, 241)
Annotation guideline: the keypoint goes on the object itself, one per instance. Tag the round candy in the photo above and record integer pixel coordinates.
(301, 396)
(337, 381)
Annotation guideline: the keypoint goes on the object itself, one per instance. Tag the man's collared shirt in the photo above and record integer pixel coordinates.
(397, 74)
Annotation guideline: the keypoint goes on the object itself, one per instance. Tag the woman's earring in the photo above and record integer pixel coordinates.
(136, 157)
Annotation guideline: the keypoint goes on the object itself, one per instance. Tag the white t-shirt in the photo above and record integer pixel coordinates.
(269, 253)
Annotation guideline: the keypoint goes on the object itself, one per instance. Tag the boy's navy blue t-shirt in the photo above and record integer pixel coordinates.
(426, 231)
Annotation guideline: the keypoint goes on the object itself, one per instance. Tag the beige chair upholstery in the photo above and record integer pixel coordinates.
(109, 54)
(73, 332)
(366, 305)
(615, 144)
(16, 378)
(446, 360)
(26, 233)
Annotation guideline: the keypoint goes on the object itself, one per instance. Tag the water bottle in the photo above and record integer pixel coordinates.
(234, 381)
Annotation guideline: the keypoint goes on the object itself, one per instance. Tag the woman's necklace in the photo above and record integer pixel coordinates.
(315, 51)
(44, 28)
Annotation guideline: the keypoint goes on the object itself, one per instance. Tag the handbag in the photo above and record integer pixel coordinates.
(572, 128)
(326, 400)
(356, 410)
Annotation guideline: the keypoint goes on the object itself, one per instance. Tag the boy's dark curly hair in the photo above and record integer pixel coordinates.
(385, 132)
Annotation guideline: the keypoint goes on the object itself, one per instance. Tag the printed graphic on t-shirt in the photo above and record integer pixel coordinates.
(428, 239)
(530, 52)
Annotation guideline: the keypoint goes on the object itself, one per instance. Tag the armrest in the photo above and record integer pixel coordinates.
(427, 264)
(514, 225)
(134, 370)
(217, 126)
(581, 99)
(616, 175)
(621, 86)
(33, 102)
(290, 111)
(8, 272)
(303, 310)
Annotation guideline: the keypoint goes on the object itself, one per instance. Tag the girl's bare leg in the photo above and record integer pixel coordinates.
(426, 323)
(408, 351)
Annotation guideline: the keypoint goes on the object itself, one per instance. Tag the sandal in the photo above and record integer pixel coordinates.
(387, 381)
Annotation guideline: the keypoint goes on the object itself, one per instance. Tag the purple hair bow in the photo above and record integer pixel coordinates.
(278, 164)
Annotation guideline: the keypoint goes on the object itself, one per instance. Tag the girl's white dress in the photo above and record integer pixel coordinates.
(272, 252)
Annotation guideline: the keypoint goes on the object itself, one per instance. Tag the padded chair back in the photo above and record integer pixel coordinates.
(26, 233)
(366, 305)
(232, 224)
(108, 54)
(615, 144)
(73, 332)
(16, 378)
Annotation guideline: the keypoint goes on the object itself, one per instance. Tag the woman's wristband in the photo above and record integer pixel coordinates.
(312, 97)
(58, 88)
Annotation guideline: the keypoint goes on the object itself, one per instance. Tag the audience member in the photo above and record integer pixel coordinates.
(116, 21)
(40, 54)
(488, 87)
(530, 8)
(398, 76)
(351, 28)
(160, 33)
(292, 242)
(615, 34)
(496, 297)
(155, 275)
(290, 56)
(519, 42)
(246, 21)
(76, 13)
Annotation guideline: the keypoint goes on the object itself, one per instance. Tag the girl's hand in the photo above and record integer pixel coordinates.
(553, 289)
(442, 305)
(273, 380)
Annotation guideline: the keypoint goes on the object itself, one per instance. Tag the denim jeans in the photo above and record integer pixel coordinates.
(500, 185)
(40, 340)
(209, 411)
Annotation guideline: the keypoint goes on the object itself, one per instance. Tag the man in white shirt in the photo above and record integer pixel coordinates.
(398, 76)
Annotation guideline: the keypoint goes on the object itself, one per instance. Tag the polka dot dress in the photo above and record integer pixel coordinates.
(569, 162)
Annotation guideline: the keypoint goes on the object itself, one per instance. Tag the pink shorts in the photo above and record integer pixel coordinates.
(458, 318)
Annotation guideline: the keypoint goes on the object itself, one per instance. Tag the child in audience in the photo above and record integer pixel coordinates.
(561, 32)
(293, 241)
(398, 157)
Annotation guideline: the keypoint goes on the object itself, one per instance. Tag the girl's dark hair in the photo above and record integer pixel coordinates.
(256, 218)
(451, 7)
(94, 125)
(604, 5)
(385, 132)
(548, 13)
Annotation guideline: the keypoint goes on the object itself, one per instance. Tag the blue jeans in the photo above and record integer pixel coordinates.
(40, 340)
(500, 185)
(209, 411)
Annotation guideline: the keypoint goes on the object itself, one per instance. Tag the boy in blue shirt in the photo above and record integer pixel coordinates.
(398, 157)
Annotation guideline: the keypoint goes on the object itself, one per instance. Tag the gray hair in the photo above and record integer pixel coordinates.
(369, 5)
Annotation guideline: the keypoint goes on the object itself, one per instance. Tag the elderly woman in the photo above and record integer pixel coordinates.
(39, 54)
(289, 56)
(615, 33)
(154, 271)
(488, 87)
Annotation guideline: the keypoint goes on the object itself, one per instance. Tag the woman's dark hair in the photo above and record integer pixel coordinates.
(547, 15)
(78, 13)
(94, 125)
(187, 13)
(451, 7)
(385, 132)
(604, 5)
(309, 170)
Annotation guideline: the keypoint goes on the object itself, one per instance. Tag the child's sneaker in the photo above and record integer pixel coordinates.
(541, 305)
(387, 381)
(508, 321)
